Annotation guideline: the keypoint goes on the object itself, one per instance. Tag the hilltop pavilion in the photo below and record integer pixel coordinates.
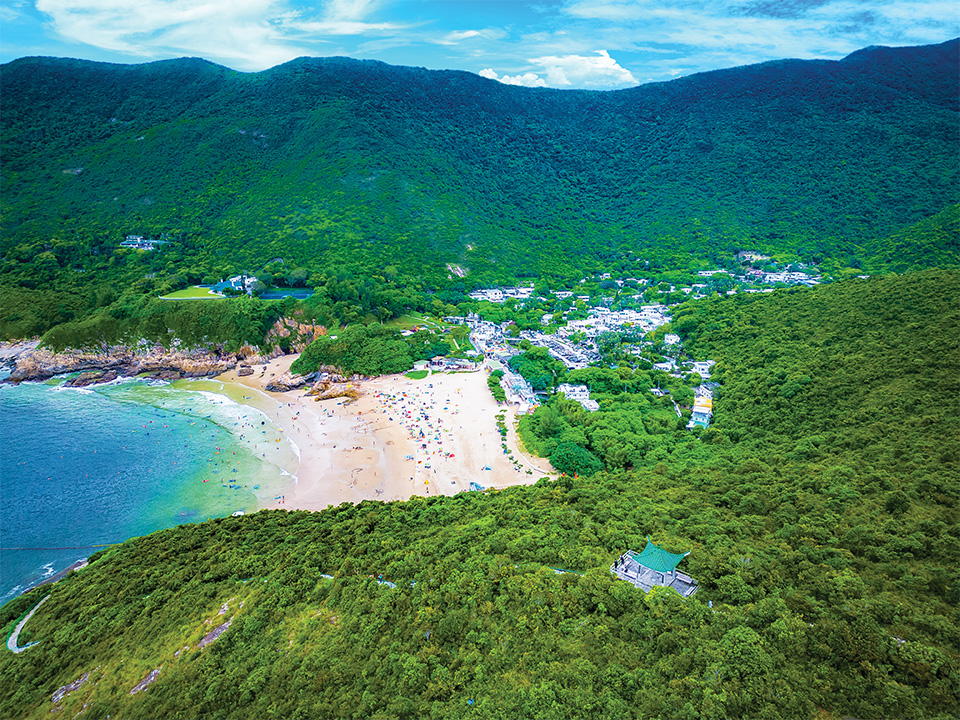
(654, 567)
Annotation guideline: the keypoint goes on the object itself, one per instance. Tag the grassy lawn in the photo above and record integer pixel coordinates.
(418, 374)
(194, 292)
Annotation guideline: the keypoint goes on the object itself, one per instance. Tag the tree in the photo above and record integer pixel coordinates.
(575, 460)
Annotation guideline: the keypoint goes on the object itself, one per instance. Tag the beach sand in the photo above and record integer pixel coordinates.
(401, 438)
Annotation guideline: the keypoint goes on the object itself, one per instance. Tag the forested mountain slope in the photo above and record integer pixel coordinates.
(331, 160)
(820, 512)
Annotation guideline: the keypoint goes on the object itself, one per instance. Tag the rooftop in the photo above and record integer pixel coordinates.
(658, 559)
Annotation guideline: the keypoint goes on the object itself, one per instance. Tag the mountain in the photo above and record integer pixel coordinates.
(332, 162)
(820, 512)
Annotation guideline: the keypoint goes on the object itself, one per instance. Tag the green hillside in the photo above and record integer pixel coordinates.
(331, 162)
(820, 511)
(933, 242)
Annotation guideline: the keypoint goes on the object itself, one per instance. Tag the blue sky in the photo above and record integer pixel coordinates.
(597, 44)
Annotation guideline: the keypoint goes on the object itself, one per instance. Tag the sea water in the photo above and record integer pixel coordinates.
(85, 468)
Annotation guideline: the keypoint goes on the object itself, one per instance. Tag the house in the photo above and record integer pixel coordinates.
(518, 391)
(702, 412)
(654, 567)
(240, 283)
(702, 368)
(441, 363)
(137, 242)
(580, 394)
(671, 339)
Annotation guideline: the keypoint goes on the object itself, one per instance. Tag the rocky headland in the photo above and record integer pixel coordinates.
(29, 362)
(98, 366)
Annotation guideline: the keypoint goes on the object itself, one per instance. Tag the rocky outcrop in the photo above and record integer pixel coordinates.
(287, 381)
(11, 351)
(147, 681)
(62, 692)
(328, 391)
(213, 635)
(92, 377)
(156, 361)
(293, 334)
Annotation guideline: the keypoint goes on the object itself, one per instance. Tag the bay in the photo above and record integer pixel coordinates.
(85, 468)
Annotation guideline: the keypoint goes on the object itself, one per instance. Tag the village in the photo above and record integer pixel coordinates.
(570, 332)
(574, 345)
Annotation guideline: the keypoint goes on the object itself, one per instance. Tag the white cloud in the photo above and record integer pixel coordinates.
(605, 10)
(340, 27)
(586, 71)
(351, 10)
(526, 80)
(233, 30)
(456, 36)
(599, 70)
(246, 34)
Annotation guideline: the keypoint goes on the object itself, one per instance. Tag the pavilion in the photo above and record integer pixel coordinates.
(654, 567)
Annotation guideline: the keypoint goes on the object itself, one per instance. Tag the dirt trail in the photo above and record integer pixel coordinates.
(12, 640)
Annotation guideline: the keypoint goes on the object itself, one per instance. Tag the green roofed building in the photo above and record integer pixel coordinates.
(654, 567)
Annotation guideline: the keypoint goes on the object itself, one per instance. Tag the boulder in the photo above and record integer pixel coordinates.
(92, 377)
(286, 382)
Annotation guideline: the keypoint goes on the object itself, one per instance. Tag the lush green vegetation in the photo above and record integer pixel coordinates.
(367, 350)
(366, 180)
(538, 368)
(375, 349)
(820, 511)
(227, 324)
(493, 382)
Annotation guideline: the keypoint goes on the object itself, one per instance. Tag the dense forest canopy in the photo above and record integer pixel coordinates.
(820, 512)
(337, 164)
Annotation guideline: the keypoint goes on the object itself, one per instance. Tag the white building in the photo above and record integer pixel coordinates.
(518, 391)
(580, 394)
(702, 368)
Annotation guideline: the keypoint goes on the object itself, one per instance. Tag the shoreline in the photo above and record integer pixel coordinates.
(401, 438)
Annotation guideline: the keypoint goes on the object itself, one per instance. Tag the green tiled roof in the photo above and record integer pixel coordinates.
(658, 559)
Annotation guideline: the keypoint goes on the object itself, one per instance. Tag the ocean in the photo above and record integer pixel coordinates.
(81, 469)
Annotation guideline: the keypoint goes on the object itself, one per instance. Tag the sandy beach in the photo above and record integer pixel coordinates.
(401, 438)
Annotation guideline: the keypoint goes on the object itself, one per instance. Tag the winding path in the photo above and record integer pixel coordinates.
(12, 640)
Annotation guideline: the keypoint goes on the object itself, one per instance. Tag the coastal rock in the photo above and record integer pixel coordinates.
(287, 381)
(168, 375)
(244, 370)
(328, 390)
(42, 363)
(92, 377)
(10, 352)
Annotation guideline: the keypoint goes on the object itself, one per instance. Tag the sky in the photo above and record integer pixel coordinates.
(593, 44)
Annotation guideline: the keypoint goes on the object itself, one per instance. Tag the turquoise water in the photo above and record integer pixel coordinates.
(86, 467)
